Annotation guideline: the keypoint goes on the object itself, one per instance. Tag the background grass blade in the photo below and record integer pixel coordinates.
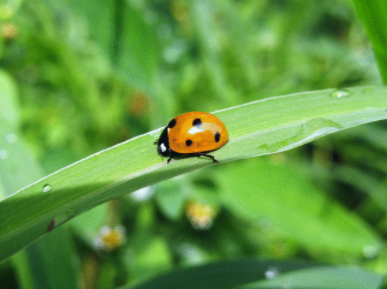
(373, 17)
(37, 266)
(339, 277)
(290, 204)
(273, 274)
(224, 274)
(8, 105)
(256, 128)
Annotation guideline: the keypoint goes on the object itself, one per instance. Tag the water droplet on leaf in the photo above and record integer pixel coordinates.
(47, 188)
(341, 93)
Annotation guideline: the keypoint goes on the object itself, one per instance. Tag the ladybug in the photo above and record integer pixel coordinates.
(193, 133)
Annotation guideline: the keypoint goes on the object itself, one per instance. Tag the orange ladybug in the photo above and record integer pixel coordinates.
(194, 133)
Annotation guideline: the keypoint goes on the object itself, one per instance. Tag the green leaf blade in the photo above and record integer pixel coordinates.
(258, 128)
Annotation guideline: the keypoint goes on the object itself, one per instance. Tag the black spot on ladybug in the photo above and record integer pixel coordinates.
(188, 142)
(172, 123)
(217, 136)
(197, 121)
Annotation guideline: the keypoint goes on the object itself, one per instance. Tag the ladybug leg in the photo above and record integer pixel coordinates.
(207, 155)
(170, 156)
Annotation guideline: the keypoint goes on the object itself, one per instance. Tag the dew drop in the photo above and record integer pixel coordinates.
(3, 154)
(271, 273)
(341, 93)
(47, 188)
(370, 252)
(10, 137)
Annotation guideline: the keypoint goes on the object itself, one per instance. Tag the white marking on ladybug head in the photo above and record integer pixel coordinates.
(162, 147)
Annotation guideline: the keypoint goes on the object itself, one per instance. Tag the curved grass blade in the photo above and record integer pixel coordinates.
(257, 128)
(252, 273)
(223, 274)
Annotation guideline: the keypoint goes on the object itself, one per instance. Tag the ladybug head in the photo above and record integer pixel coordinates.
(163, 144)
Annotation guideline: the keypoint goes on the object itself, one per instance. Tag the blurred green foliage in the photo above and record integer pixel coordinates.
(80, 76)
